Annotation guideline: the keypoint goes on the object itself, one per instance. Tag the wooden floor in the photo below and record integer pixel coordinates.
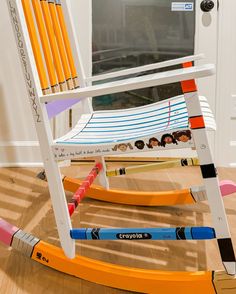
(24, 201)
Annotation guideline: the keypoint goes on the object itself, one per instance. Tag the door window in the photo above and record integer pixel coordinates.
(130, 33)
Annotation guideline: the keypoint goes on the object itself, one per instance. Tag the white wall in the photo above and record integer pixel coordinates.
(18, 142)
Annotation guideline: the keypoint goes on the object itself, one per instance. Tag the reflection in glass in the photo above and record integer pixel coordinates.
(130, 33)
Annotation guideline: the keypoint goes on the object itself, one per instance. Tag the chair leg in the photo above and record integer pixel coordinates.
(211, 181)
(102, 177)
(59, 204)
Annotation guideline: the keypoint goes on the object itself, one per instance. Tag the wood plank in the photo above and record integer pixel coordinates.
(18, 274)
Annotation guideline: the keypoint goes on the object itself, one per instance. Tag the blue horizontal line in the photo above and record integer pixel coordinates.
(117, 141)
(141, 123)
(133, 119)
(148, 132)
(131, 129)
(134, 114)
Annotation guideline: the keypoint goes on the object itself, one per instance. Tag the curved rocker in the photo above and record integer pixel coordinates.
(120, 277)
(132, 197)
(175, 197)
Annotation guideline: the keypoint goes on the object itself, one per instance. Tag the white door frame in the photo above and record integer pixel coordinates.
(226, 85)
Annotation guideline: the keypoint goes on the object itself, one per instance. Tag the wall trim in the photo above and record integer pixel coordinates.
(19, 143)
(21, 164)
(20, 154)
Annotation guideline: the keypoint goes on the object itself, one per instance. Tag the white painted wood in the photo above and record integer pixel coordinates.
(102, 178)
(143, 68)
(42, 126)
(212, 185)
(134, 83)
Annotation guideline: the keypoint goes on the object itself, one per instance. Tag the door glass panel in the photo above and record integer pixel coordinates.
(130, 33)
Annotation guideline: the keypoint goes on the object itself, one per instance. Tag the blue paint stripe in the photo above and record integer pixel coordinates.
(140, 113)
(88, 234)
(141, 123)
(134, 119)
(198, 233)
(134, 129)
(188, 234)
(203, 234)
(183, 125)
(148, 130)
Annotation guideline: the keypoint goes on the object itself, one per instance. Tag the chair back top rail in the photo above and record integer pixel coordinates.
(144, 68)
(145, 81)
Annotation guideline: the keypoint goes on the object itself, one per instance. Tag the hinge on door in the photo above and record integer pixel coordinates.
(218, 4)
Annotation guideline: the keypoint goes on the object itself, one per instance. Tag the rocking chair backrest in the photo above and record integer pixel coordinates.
(52, 49)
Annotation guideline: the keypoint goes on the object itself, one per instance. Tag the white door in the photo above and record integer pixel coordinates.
(226, 85)
(128, 33)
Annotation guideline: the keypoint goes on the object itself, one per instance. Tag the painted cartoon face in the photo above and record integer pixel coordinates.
(154, 143)
(168, 140)
(139, 144)
(122, 147)
(184, 138)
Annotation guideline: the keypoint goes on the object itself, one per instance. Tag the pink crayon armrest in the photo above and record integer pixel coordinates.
(6, 232)
(227, 188)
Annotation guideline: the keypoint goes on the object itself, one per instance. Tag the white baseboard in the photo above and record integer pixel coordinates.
(21, 164)
(19, 144)
(20, 154)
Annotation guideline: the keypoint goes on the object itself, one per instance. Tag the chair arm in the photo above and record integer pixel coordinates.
(143, 68)
(145, 81)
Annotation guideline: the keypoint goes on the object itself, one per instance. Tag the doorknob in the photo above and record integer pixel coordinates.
(207, 5)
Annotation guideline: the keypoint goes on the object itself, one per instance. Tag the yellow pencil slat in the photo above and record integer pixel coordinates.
(54, 47)
(151, 167)
(67, 43)
(60, 43)
(45, 45)
(35, 46)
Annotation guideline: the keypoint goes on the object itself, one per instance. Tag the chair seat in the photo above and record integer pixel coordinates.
(155, 127)
(130, 124)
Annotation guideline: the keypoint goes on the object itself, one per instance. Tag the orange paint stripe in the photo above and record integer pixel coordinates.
(197, 122)
(53, 43)
(66, 41)
(187, 64)
(190, 85)
(45, 43)
(35, 44)
(60, 43)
